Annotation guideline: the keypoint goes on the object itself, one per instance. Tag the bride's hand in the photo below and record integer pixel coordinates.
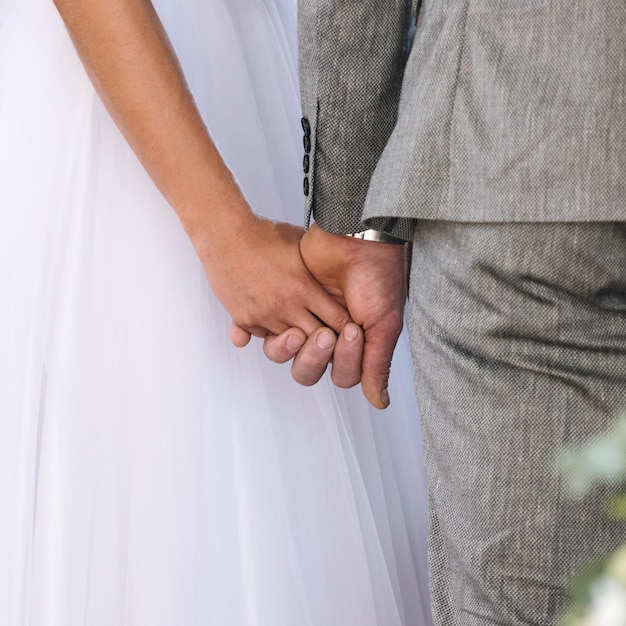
(254, 267)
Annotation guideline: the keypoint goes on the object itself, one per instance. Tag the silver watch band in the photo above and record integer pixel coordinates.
(375, 235)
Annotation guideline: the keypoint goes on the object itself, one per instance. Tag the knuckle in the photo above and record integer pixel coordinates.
(302, 288)
(270, 349)
(301, 380)
(244, 320)
(307, 370)
(279, 305)
(344, 382)
(341, 319)
(305, 378)
(311, 363)
(378, 370)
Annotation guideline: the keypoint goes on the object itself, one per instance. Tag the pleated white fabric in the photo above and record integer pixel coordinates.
(150, 473)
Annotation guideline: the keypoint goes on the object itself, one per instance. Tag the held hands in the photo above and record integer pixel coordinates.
(369, 278)
(255, 269)
(253, 265)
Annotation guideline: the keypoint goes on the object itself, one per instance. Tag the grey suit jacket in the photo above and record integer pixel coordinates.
(502, 110)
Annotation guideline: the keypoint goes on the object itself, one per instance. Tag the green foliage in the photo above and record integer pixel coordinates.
(581, 591)
(599, 592)
(602, 460)
(616, 508)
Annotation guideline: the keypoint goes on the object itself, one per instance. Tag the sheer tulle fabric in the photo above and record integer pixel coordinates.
(150, 473)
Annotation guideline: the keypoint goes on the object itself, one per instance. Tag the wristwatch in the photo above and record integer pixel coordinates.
(375, 235)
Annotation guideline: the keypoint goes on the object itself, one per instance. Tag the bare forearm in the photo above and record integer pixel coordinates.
(134, 69)
(249, 262)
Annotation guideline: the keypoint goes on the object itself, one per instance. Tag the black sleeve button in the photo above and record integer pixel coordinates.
(306, 163)
(305, 186)
(306, 127)
(306, 140)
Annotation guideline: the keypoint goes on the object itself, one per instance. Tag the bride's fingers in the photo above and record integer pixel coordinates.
(240, 335)
(284, 347)
(307, 322)
(327, 309)
(283, 340)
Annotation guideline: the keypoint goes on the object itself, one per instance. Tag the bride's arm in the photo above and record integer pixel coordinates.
(252, 264)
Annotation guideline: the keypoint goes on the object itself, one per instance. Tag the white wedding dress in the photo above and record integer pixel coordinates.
(150, 473)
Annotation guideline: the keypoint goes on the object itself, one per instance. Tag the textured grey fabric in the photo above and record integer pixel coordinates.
(510, 111)
(500, 128)
(352, 55)
(518, 335)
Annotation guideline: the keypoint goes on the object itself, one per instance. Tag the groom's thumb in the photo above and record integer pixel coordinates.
(377, 354)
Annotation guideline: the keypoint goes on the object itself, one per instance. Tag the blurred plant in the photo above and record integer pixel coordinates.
(600, 591)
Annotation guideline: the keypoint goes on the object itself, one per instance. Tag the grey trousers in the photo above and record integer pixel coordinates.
(518, 336)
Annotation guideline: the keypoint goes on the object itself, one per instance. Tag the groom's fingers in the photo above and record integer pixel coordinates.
(284, 347)
(313, 358)
(348, 355)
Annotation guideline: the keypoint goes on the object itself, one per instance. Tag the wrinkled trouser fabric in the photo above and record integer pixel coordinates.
(518, 335)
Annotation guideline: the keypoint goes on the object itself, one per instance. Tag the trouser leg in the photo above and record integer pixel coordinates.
(518, 335)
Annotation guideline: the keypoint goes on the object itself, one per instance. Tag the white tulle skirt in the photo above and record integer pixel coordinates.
(150, 473)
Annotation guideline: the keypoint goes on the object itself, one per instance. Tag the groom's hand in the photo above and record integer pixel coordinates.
(312, 355)
(369, 278)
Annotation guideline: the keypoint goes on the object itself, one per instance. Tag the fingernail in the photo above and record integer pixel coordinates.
(384, 396)
(294, 342)
(324, 340)
(350, 332)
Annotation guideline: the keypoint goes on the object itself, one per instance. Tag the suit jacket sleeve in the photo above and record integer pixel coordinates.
(351, 56)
